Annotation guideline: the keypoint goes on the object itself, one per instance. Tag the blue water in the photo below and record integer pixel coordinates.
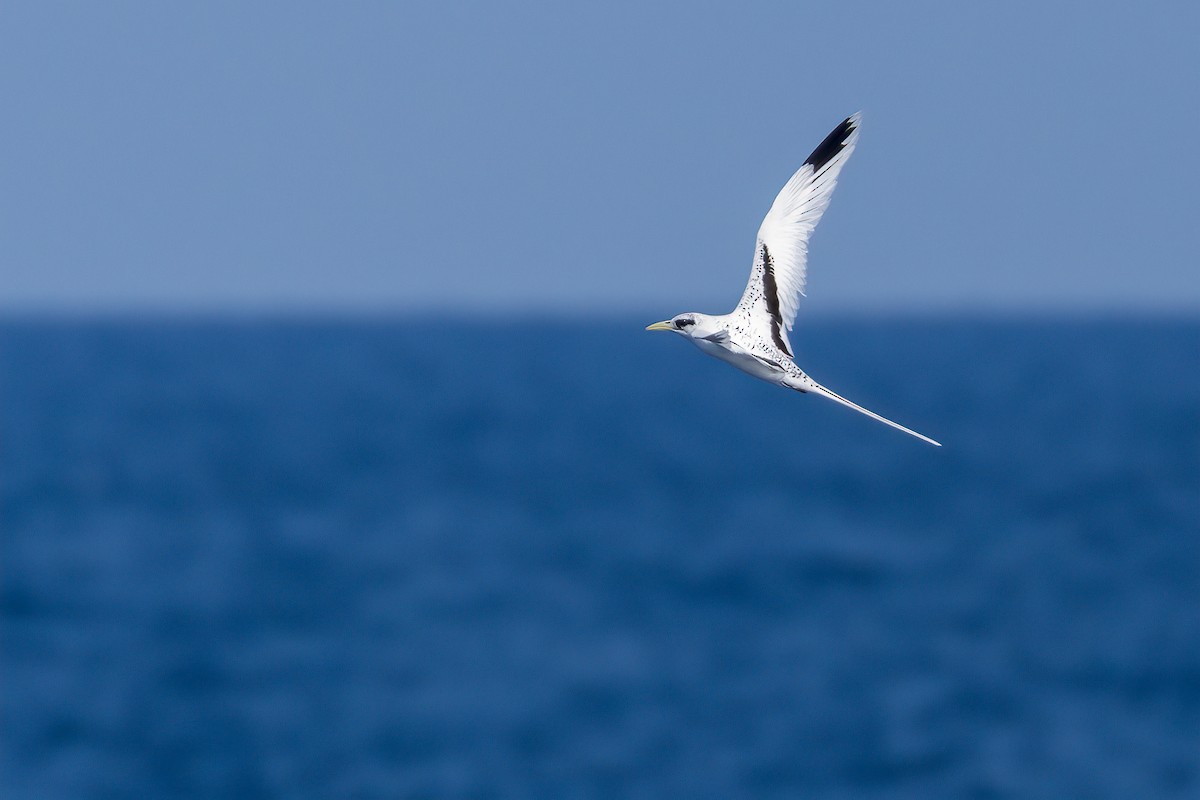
(532, 559)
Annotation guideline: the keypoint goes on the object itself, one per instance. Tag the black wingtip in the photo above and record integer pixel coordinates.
(833, 143)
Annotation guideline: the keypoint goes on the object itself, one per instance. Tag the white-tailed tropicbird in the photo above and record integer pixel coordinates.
(754, 336)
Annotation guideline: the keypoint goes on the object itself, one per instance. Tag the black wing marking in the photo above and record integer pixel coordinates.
(771, 298)
(832, 145)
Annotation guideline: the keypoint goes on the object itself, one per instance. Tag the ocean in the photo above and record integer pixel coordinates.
(492, 558)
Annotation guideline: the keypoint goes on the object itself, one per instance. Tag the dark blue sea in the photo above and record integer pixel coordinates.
(488, 558)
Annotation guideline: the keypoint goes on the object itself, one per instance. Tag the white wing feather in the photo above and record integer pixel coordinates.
(796, 211)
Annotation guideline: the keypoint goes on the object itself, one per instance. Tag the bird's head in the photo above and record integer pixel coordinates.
(691, 325)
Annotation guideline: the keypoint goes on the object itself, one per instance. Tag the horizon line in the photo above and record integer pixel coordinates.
(347, 313)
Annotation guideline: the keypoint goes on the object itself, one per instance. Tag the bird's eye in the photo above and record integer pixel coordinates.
(683, 323)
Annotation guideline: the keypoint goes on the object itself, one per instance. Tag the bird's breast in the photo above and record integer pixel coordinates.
(739, 357)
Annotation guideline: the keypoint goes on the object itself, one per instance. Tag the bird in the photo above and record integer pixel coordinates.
(754, 336)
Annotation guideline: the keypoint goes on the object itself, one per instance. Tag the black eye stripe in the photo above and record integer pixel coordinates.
(682, 323)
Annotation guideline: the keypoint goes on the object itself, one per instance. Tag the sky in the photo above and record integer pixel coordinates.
(603, 157)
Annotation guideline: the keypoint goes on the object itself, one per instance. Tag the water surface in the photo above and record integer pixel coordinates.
(524, 559)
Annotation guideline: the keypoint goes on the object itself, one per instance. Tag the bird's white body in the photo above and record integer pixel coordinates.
(756, 358)
(754, 336)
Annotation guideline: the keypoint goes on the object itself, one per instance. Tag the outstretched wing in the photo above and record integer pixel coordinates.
(778, 275)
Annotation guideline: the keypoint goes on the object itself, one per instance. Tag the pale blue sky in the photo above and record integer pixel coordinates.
(393, 156)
